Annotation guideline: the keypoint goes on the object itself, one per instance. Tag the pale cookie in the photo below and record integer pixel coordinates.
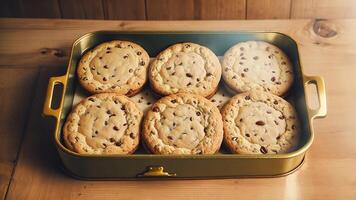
(185, 67)
(258, 122)
(183, 123)
(257, 65)
(106, 123)
(115, 66)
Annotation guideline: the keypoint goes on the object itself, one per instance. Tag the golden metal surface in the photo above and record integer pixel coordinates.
(156, 172)
(213, 166)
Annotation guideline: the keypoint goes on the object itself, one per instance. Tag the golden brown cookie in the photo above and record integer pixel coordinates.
(115, 66)
(258, 122)
(106, 123)
(183, 123)
(185, 67)
(257, 65)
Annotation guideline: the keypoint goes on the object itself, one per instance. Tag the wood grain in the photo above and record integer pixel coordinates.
(323, 9)
(268, 9)
(40, 9)
(220, 10)
(170, 9)
(124, 9)
(16, 93)
(81, 9)
(330, 162)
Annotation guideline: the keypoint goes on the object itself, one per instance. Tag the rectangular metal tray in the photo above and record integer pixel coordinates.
(222, 165)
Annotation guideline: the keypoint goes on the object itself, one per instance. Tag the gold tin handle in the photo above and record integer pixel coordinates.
(156, 172)
(320, 86)
(47, 109)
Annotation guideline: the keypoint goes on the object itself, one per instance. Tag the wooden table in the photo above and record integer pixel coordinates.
(32, 50)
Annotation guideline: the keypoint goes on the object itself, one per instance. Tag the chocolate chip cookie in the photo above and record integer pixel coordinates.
(257, 65)
(115, 66)
(258, 122)
(106, 123)
(183, 123)
(185, 67)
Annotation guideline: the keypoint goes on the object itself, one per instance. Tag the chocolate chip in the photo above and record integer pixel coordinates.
(293, 127)
(234, 77)
(262, 140)
(205, 130)
(119, 143)
(115, 128)
(106, 123)
(198, 79)
(98, 106)
(100, 57)
(260, 123)
(132, 135)
(125, 124)
(155, 109)
(213, 100)
(169, 68)
(275, 102)
(255, 57)
(187, 45)
(269, 112)
(241, 120)
(148, 103)
(242, 75)
(173, 74)
(283, 63)
(278, 137)
(281, 117)
(174, 101)
(112, 140)
(170, 137)
(189, 75)
(198, 113)
(180, 63)
(247, 97)
(105, 66)
(108, 51)
(247, 135)
(246, 70)
(208, 74)
(276, 122)
(189, 84)
(273, 78)
(142, 63)
(104, 79)
(139, 53)
(91, 99)
(241, 63)
(122, 107)
(130, 70)
(108, 112)
(263, 150)
(92, 68)
(278, 83)
(191, 118)
(126, 56)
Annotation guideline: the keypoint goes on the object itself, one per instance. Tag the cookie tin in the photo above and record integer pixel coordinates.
(142, 165)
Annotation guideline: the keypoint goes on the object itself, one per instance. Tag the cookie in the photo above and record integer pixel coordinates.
(185, 67)
(257, 65)
(183, 123)
(115, 66)
(106, 123)
(259, 122)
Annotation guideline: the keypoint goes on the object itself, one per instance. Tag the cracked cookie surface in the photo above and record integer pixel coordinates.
(258, 122)
(183, 123)
(257, 65)
(115, 66)
(106, 123)
(185, 67)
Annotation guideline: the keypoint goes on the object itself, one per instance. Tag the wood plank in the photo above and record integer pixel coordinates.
(11, 8)
(268, 9)
(16, 93)
(124, 9)
(170, 9)
(328, 9)
(220, 10)
(82, 9)
(41, 9)
(330, 161)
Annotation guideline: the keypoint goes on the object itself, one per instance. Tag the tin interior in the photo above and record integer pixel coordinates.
(218, 42)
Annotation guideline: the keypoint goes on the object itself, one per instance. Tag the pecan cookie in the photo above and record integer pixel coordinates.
(258, 122)
(115, 66)
(185, 67)
(183, 123)
(257, 65)
(106, 123)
